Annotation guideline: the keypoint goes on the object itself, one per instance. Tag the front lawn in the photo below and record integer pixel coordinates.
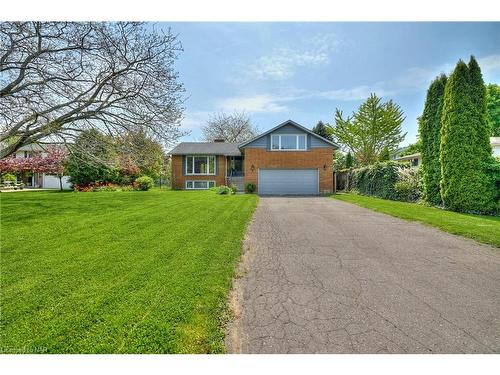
(121, 272)
(480, 228)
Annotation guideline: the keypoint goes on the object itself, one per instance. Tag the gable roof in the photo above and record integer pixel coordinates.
(293, 123)
(206, 148)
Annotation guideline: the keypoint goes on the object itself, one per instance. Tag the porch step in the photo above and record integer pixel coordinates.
(238, 181)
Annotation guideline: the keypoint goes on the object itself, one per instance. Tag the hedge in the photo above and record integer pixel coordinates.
(379, 180)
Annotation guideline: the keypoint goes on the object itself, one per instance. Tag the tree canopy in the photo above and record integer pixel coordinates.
(235, 127)
(374, 126)
(60, 78)
(384, 154)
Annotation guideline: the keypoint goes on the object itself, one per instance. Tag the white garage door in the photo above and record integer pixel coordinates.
(288, 181)
(52, 182)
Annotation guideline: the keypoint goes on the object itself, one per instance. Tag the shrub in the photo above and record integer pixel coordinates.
(390, 180)
(250, 187)
(9, 177)
(408, 187)
(233, 188)
(105, 187)
(127, 188)
(223, 189)
(144, 183)
(377, 180)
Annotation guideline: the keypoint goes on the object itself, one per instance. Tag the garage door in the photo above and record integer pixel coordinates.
(52, 182)
(288, 181)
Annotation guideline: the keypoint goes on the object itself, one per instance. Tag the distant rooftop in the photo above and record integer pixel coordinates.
(206, 148)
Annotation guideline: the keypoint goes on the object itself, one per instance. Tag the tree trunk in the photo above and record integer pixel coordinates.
(60, 182)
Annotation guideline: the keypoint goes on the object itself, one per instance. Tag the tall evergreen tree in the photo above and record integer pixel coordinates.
(465, 148)
(349, 160)
(430, 137)
(493, 105)
(321, 130)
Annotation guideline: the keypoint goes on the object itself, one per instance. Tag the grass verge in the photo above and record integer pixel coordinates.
(481, 228)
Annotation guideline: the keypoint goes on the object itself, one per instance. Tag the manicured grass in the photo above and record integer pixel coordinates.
(118, 272)
(480, 228)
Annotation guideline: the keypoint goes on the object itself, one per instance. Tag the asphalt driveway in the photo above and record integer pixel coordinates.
(324, 276)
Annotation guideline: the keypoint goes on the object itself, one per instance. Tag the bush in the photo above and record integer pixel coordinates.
(9, 177)
(250, 187)
(390, 180)
(106, 187)
(408, 187)
(377, 180)
(144, 183)
(223, 189)
(233, 188)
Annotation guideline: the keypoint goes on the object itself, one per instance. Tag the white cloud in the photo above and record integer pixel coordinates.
(490, 66)
(283, 62)
(194, 120)
(354, 93)
(252, 104)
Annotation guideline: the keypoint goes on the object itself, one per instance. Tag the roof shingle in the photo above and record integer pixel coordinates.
(206, 148)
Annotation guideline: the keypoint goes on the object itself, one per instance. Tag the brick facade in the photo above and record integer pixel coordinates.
(179, 180)
(316, 158)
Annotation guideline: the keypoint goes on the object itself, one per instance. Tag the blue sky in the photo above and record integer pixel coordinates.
(303, 71)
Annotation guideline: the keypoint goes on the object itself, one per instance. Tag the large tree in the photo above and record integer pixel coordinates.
(142, 151)
(465, 154)
(493, 106)
(374, 126)
(430, 137)
(235, 127)
(92, 159)
(60, 78)
(321, 129)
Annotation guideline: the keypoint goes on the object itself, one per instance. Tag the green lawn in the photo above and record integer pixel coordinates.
(480, 228)
(119, 272)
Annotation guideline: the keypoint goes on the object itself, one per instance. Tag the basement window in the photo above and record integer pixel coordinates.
(199, 185)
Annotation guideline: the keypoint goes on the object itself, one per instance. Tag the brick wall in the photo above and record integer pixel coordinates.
(179, 180)
(316, 158)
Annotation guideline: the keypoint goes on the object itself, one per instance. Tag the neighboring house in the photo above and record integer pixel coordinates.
(495, 145)
(36, 179)
(416, 159)
(288, 159)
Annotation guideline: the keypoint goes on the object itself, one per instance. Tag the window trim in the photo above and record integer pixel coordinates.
(296, 142)
(208, 164)
(193, 181)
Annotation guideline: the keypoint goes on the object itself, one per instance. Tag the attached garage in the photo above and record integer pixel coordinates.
(288, 181)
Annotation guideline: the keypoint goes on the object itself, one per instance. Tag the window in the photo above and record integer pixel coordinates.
(288, 142)
(200, 164)
(199, 185)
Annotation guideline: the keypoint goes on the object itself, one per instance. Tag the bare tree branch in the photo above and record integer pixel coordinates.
(59, 78)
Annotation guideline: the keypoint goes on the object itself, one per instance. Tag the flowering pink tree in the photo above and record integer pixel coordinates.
(52, 163)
